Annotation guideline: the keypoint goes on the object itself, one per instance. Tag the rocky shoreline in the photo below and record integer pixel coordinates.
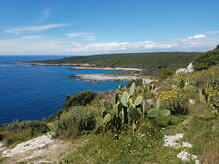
(80, 66)
(106, 68)
(109, 77)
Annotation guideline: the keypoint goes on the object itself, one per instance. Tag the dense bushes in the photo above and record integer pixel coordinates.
(207, 60)
(164, 73)
(77, 119)
(80, 99)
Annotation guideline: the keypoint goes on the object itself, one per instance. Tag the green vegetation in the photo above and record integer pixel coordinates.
(80, 99)
(75, 121)
(152, 63)
(128, 125)
(198, 122)
(207, 59)
(166, 72)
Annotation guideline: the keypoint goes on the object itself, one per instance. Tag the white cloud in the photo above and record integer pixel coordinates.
(27, 45)
(45, 14)
(34, 28)
(198, 36)
(85, 35)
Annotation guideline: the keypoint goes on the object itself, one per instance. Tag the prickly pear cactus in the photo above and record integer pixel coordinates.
(132, 89)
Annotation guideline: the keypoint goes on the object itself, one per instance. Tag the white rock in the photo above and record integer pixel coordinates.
(186, 145)
(192, 101)
(150, 101)
(170, 141)
(181, 70)
(142, 135)
(185, 156)
(33, 144)
(188, 69)
(155, 91)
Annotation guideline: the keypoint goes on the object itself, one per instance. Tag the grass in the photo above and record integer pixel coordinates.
(202, 131)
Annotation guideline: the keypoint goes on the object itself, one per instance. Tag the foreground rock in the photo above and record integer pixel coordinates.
(107, 77)
(43, 149)
(23, 147)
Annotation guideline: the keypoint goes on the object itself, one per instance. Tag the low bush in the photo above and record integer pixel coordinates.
(165, 73)
(173, 100)
(80, 99)
(78, 119)
(164, 121)
(212, 92)
(147, 127)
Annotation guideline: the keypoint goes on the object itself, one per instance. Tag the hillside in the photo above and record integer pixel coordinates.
(172, 120)
(150, 62)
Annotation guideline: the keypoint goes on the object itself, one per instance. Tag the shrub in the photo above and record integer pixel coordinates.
(213, 95)
(147, 127)
(79, 119)
(164, 73)
(164, 121)
(207, 60)
(80, 99)
(173, 100)
(197, 78)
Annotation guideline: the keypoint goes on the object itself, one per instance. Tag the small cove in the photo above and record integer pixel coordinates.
(34, 92)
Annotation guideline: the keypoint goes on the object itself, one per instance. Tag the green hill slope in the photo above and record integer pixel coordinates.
(151, 62)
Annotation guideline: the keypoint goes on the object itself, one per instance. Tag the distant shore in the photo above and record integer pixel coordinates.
(59, 64)
(106, 68)
(80, 66)
(109, 77)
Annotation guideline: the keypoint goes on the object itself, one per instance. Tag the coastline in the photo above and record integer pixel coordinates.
(109, 77)
(105, 68)
(80, 66)
(60, 64)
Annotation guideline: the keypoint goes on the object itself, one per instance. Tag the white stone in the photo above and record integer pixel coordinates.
(186, 145)
(149, 101)
(170, 141)
(192, 101)
(188, 69)
(185, 156)
(33, 144)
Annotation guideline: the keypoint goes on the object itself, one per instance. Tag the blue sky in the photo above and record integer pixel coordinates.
(81, 27)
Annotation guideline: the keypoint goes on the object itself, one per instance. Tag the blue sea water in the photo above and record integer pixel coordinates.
(34, 92)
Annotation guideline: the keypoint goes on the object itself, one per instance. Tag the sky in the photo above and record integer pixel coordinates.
(83, 27)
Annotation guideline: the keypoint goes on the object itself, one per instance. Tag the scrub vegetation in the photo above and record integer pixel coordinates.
(128, 125)
(152, 63)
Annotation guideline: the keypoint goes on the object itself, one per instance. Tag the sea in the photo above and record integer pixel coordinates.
(30, 92)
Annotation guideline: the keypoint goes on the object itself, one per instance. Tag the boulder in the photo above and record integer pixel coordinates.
(188, 69)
